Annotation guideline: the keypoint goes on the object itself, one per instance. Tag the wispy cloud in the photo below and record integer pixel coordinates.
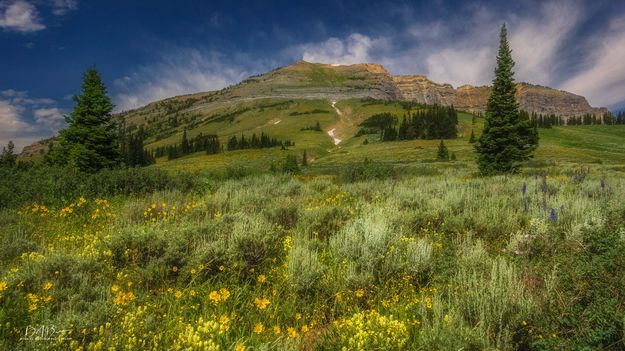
(20, 16)
(61, 7)
(25, 120)
(602, 78)
(181, 71)
(356, 48)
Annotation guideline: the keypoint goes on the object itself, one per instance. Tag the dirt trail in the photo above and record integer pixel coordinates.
(332, 132)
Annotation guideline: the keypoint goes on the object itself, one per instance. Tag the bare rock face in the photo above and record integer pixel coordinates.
(532, 98)
(422, 90)
(547, 101)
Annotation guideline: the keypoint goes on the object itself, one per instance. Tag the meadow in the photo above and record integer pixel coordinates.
(372, 246)
(383, 260)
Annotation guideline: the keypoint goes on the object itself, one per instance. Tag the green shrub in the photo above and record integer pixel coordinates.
(367, 170)
(305, 270)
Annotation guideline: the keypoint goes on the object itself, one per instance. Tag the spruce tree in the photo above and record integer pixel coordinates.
(89, 143)
(8, 157)
(507, 138)
(472, 138)
(443, 153)
(290, 165)
(304, 159)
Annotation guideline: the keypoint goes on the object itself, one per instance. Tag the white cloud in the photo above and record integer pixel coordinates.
(15, 108)
(460, 66)
(52, 118)
(61, 7)
(182, 72)
(21, 98)
(602, 79)
(355, 48)
(536, 41)
(10, 118)
(20, 16)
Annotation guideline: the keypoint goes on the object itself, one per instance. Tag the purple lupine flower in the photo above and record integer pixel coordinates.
(524, 188)
(553, 216)
(543, 185)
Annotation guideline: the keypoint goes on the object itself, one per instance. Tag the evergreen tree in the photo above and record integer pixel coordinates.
(453, 156)
(89, 143)
(472, 138)
(304, 159)
(443, 153)
(507, 138)
(290, 165)
(185, 147)
(8, 157)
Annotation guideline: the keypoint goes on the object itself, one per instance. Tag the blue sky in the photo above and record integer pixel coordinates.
(149, 50)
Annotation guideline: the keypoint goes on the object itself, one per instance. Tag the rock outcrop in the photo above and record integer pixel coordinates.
(532, 98)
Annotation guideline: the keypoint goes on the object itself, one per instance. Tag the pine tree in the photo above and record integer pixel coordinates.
(89, 143)
(8, 157)
(507, 138)
(304, 159)
(472, 138)
(443, 153)
(290, 165)
(185, 147)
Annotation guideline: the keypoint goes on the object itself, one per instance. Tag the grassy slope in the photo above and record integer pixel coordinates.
(575, 144)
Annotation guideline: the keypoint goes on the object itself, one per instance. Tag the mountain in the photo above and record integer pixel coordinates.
(339, 82)
(302, 85)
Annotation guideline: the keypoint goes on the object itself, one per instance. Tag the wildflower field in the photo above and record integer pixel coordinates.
(277, 262)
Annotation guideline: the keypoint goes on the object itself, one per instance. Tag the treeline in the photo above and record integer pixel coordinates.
(432, 122)
(548, 121)
(264, 141)
(200, 143)
(132, 148)
(210, 144)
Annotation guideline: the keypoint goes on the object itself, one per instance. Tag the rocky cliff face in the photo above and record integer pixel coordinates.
(532, 98)
(338, 82)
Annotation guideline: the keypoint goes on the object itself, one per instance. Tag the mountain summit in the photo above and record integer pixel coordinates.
(338, 82)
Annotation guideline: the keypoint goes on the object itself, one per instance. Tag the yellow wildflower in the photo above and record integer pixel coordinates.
(277, 330)
(3, 286)
(360, 293)
(178, 294)
(261, 304)
(261, 278)
(47, 285)
(214, 297)
(239, 347)
(225, 294)
(292, 332)
(259, 328)
(115, 288)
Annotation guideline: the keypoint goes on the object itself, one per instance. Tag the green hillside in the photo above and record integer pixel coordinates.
(285, 119)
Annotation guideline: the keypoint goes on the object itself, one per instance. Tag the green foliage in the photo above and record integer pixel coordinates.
(8, 157)
(89, 143)
(379, 121)
(443, 153)
(304, 159)
(56, 185)
(367, 170)
(508, 137)
(305, 269)
(290, 165)
(419, 263)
